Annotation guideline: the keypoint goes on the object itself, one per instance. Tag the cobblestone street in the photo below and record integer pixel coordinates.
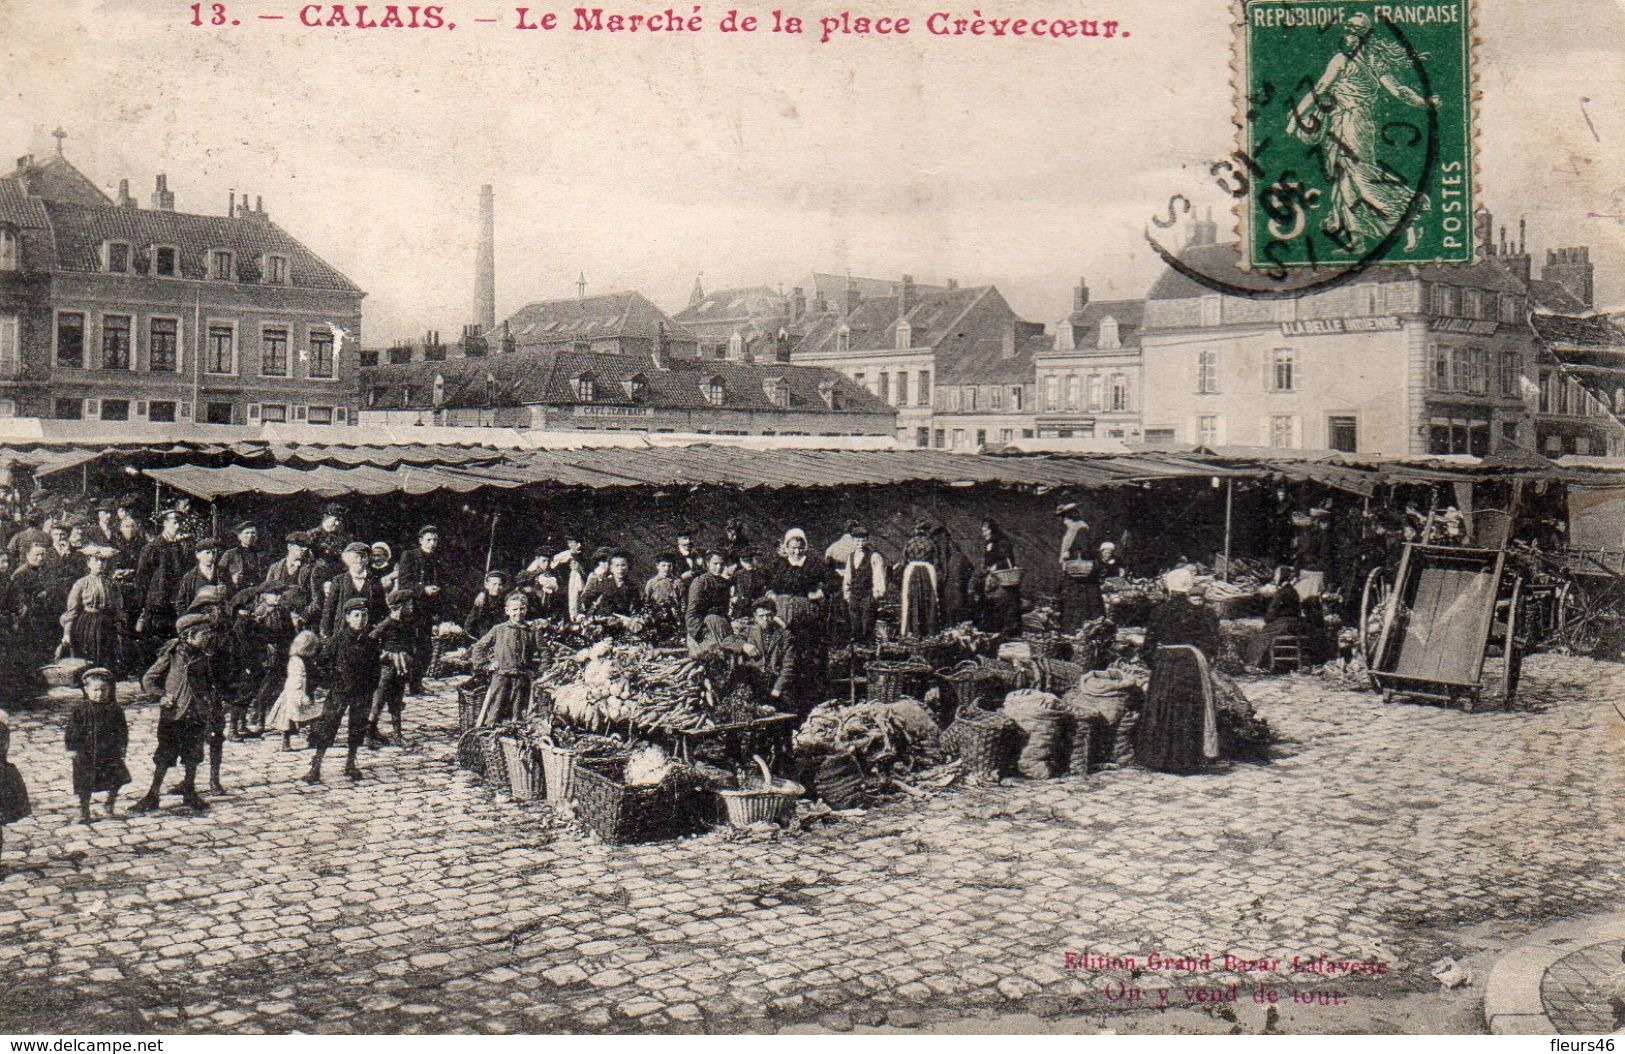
(415, 902)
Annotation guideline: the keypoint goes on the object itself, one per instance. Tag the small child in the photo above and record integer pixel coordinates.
(295, 706)
(13, 793)
(508, 652)
(97, 735)
(395, 669)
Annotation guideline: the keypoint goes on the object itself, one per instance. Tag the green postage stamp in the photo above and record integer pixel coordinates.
(1358, 125)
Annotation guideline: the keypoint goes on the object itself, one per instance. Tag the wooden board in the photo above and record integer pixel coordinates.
(1445, 634)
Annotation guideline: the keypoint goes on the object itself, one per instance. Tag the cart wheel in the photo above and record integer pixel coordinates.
(1373, 602)
(1511, 650)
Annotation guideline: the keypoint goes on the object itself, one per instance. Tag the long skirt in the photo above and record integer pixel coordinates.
(1178, 728)
(13, 795)
(919, 615)
(93, 635)
(1080, 602)
(805, 620)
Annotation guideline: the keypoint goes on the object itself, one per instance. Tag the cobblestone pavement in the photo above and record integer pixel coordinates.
(415, 902)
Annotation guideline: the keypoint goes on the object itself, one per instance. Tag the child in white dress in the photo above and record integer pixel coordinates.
(295, 706)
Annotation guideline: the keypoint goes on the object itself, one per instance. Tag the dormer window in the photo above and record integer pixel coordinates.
(830, 394)
(905, 335)
(117, 257)
(585, 389)
(736, 346)
(490, 389)
(843, 339)
(276, 270)
(164, 261)
(439, 390)
(1109, 337)
(637, 387)
(714, 391)
(777, 390)
(8, 249)
(222, 265)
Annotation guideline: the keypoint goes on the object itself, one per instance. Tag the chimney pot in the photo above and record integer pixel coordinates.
(1080, 296)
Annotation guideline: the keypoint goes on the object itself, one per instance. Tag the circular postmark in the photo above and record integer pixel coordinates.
(1320, 218)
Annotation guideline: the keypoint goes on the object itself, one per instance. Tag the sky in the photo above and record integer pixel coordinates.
(644, 160)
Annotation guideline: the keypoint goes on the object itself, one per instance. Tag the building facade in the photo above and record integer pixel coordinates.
(116, 313)
(1088, 378)
(1582, 385)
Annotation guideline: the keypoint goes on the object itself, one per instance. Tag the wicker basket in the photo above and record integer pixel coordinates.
(469, 754)
(496, 765)
(986, 741)
(623, 815)
(890, 680)
(1006, 578)
(470, 699)
(560, 765)
(524, 769)
(935, 653)
(774, 801)
(970, 684)
(1081, 757)
(1049, 646)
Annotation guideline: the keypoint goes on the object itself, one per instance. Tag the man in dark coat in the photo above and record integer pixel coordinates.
(394, 636)
(351, 657)
(421, 573)
(245, 563)
(615, 593)
(356, 580)
(295, 572)
(181, 678)
(97, 736)
(327, 542)
(204, 576)
(488, 607)
(158, 573)
(770, 658)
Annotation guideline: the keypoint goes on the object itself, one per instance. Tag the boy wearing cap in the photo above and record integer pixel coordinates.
(181, 679)
(244, 563)
(351, 657)
(489, 605)
(420, 572)
(615, 593)
(295, 572)
(665, 589)
(206, 575)
(97, 736)
(394, 636)
(356, 580)
(863, 583)
(508, 653)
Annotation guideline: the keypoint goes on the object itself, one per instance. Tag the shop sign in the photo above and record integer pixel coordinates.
(1324, 327)
(595, 410)
(1478, 327)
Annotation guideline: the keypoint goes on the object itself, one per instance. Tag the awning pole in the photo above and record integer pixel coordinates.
(1229, 495)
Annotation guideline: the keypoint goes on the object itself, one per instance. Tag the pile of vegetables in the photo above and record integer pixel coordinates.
(630, 686)
(967, 637)
(895, 737)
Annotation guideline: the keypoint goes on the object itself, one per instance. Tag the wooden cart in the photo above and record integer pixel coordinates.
(1448, 610)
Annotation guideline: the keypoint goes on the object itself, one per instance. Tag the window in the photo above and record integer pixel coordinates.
(1509, 308)
(439, 395)
(970, 398)
(584, 388)
(1439, 368)
(1071, 391)
(905, 336)
(274, 351)
(368, 358)
(883, 387)
(995, 398)
(1052, 385)
(8, 249)
(68, 410)
(115, 409)
(163, 261)
(937, 438)
(1282, 430)
(221, 354)
(70, 340)
(1108, 334)
(321, 354)
(1207, 430)
(1282, 361)
(1444, 300)
(161, 412)
(221, 266)
(1482, 370)
(922, 437)
(397, 355)
(922, 389)
(320, 415)
(9, 351)
(1007, 435)
(1511, 371)
(1119, 392)
(1159, 435)
(1472, 303)
(163, 345)
(843, 339)
(115, 342)
(117, 257)
(276, 270)
(959, 438)
(1373, 299)
(1343, 433)
(1207, 372)
(217, 414)
(1548, 392)
(1016, 397)
(715, 391)
(1459, 431)
(981, 437)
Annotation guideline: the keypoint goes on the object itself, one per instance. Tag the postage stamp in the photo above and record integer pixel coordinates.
(1357, 120)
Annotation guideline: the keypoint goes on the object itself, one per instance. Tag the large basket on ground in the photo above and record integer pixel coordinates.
(496, 764)
(970, 684)
(891, 679)
(469, 753)
(623, 815)
(772, 801)
(1049, 646)
(986, 742)
(470, 698)
(524, 769)
(560, 765)
(935, 653)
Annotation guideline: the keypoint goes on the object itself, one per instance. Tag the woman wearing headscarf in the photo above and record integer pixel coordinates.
(921, 579)
(1080, 572)
(797, 584)
(1001, 591)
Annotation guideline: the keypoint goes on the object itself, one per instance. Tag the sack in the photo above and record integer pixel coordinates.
(1044, 725)
(1079, 568)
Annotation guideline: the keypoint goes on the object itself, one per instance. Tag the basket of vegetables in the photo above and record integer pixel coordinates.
(771, 801)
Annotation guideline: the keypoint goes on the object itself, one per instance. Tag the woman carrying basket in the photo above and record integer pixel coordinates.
(1080, 572)
(1001, 582)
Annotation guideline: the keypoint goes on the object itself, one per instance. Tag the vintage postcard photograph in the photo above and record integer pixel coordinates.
(774, 518)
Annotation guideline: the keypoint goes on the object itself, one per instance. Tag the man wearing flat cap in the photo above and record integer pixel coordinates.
(295, 572)
(351, 657)
(356, 580)
(181, 681)
(489, 605)
(158, 573)
(204, 575)
(863, 583)
(421, 573)
(245, 563)
(327, 542)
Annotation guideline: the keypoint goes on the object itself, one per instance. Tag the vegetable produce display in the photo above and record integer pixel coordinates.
(631, 686)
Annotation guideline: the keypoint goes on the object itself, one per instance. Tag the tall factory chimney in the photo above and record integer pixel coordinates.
(485, 264)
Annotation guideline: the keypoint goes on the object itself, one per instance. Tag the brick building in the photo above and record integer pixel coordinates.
(113, 312)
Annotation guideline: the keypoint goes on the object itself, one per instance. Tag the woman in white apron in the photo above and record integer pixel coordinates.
(921, 578)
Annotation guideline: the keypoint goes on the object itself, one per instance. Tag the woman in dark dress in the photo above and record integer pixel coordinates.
(1178, 730)
(13, 792)
(1001, 597)
(1080, 572)
(920, 578)
(97, 735)
(798, 585)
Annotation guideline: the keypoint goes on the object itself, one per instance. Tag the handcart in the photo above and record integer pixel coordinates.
(1449, 609)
